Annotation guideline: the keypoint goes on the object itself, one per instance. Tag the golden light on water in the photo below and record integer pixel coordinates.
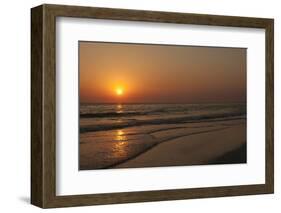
(121, 144)
(120, 136)
(119, 108)
(120, 132)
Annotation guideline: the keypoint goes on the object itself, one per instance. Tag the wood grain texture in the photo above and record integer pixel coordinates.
(43, 105)
(36, 106)
(269, 106)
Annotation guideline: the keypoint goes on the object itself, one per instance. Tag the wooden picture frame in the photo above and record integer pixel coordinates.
(43, 105)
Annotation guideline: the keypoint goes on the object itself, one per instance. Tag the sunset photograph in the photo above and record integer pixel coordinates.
(158, 105)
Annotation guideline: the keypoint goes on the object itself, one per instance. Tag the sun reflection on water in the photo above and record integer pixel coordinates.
(119, 108)
(120, 146)
(120, 135)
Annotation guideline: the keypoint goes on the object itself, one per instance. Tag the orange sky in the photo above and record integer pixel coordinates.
(160, 73)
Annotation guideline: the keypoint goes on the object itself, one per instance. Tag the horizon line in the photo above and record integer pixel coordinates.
(104, 103)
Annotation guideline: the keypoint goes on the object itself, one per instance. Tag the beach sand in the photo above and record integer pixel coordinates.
(200, 143)
(214, 147)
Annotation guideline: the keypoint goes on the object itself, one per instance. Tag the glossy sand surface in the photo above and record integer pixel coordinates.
(211, 140)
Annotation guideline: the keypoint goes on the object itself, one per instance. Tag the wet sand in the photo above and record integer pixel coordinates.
(209, 142)
(214, 147)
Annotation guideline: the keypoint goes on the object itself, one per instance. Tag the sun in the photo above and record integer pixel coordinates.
(119, 91)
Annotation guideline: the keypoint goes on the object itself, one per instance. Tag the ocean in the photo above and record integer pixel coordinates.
(111, 134)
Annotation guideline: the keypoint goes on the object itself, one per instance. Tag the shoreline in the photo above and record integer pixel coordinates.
(132, 150)
(207, 148)
(157, 144)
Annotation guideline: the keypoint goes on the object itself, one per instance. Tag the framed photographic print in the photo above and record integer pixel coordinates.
(136, 106)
